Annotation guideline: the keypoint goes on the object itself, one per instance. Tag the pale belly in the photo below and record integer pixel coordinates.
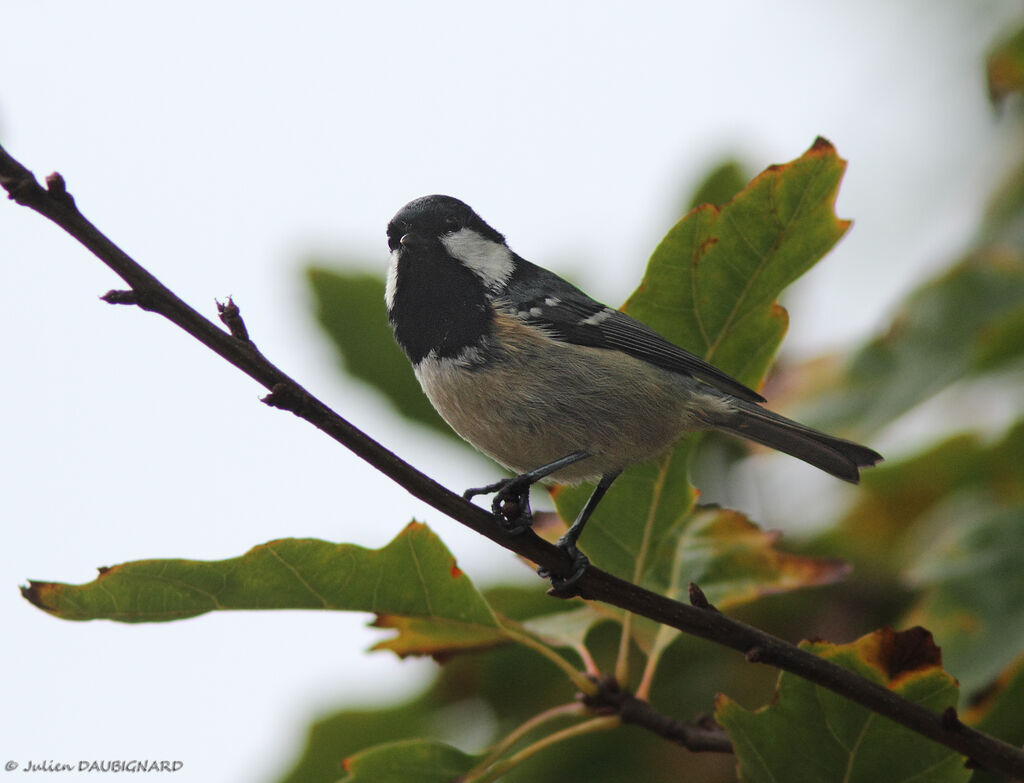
(534, 407)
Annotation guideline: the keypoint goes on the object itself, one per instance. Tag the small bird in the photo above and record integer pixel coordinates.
(550, 383)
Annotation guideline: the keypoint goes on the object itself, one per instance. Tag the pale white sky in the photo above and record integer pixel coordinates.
(220, 144)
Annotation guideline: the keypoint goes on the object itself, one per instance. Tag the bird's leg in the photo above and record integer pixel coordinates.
(511, 503)
(567, 543)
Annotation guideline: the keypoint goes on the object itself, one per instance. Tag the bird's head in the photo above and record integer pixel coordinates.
(439, 229)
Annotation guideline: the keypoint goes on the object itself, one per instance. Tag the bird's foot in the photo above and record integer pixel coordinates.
(510, 504)
(565, 586)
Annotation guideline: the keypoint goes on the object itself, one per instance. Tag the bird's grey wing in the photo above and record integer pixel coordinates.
(544, 300)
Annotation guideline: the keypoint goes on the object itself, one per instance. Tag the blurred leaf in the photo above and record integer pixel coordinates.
(1005, 67)
(635, 516)
(997, 712)
(811, 734)
(519, 602)
(555, 623)
(1002, 342)
(334, 738)
(721, 184)
(895, 496)
(965, 321)
(733, 561)
(1004, 215)
(350, 308)
(974, 587)
(414, 577)
(570, 629)
(475, 699)
(710, 286)
(415, 761)
(470, 699)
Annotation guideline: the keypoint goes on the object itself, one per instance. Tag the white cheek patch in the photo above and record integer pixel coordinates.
(392, 280)
(492, 262)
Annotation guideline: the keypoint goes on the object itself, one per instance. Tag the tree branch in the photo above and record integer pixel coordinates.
(611, 699)
(55, 203)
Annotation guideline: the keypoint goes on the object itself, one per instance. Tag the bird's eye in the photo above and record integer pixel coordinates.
(452, 223)
(395, 232)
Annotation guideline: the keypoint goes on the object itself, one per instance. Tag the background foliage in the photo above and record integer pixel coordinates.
(932, 536)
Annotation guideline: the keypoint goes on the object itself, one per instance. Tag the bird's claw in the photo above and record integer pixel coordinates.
(511, 508)
(510, 505)
(564, 586)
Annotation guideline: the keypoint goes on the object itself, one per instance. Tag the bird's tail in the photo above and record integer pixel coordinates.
(842, 458)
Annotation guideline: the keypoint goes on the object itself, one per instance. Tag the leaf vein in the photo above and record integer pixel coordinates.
(298, 576)
(763, 258)
(419, 574)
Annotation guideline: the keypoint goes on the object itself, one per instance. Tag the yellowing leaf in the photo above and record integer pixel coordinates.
(710, 287)
(734, 561)
(712, 283)
(810, 734)
(439, 637)
(997, 709)
(1006, 67)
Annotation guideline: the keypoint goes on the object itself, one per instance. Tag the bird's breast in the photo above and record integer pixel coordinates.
(526, 399)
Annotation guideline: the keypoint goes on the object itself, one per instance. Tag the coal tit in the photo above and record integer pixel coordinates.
(550, 383)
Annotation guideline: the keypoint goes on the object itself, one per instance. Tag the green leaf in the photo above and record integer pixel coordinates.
(350, 308)
(1002, 341)
(997, 713)
(966, 321)
(412, 584)
(1004, 214)
(810, 734)
(1005, 67)
(712, 283)
(974, 586)
(333, 738)
(476, 699)
(570, 629)
(471, 700)
(733, 561)
(636, 514)
(415, 761)
(885, 524)
(720, 184)
(710, 287)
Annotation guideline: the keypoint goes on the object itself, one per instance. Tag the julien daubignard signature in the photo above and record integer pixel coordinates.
(112, 765)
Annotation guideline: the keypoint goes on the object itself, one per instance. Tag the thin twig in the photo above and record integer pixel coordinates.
(603, 723)
(55, 203)
(611, 699)
(512, 738)
(577, 678)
